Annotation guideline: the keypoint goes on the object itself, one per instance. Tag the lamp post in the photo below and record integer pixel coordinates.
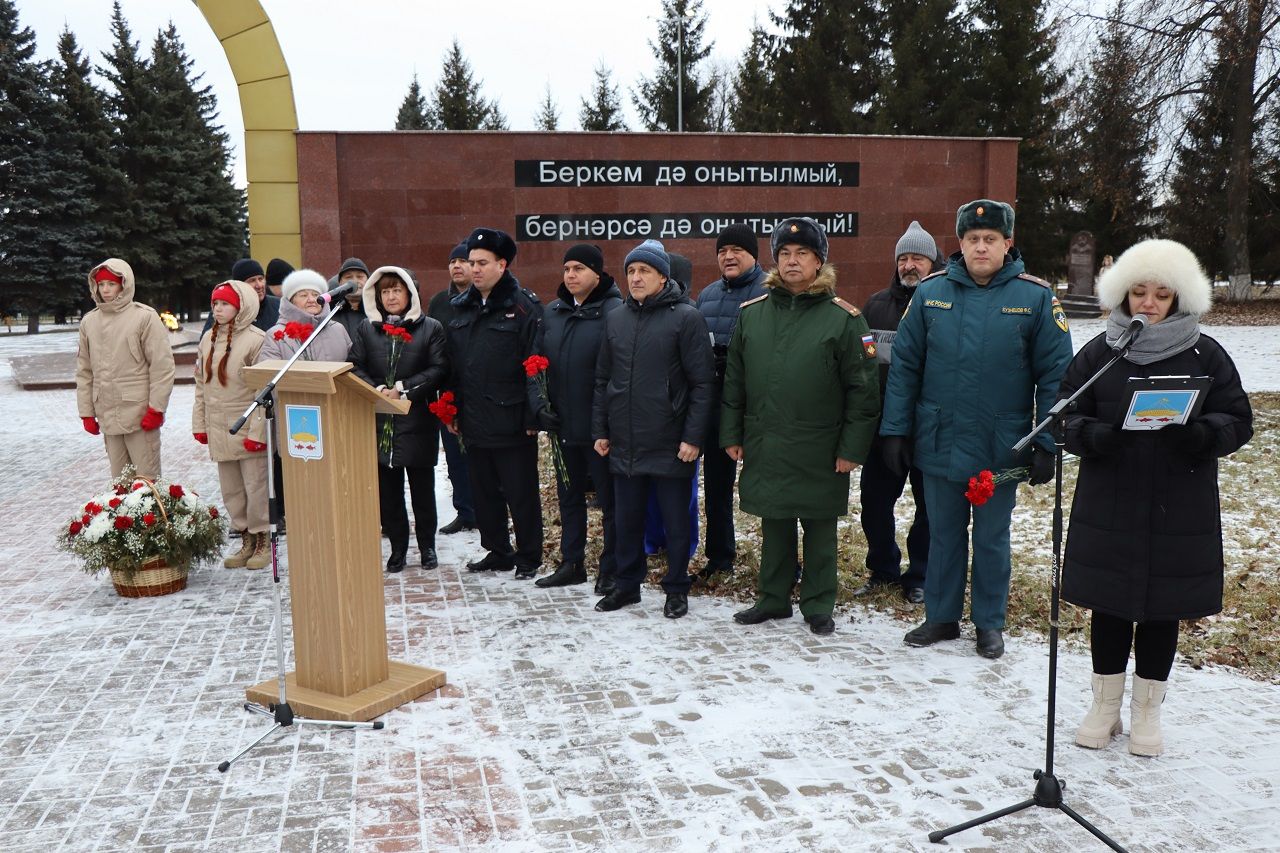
(680, 19)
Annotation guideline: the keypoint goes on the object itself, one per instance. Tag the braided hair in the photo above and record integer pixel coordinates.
(213, 346)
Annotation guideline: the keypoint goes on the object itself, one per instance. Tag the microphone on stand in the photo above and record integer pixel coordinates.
(337, 293)
(1130, 336)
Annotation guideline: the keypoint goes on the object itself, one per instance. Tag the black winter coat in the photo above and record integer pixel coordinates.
(1145, 540)
(441, 305)
(350, 318)
(571, 340)
(654, 384)
(420, 372)
(488, 343)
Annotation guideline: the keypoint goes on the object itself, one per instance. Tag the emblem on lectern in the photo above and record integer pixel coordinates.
(304, 437)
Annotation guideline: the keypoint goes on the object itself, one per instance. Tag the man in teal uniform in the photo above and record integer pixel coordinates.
(801, 395)
(982, 344)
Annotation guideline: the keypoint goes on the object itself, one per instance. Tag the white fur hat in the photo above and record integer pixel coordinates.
(1164, 262)
(301, 280)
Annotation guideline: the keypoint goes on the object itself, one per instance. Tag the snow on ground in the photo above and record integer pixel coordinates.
(560, 728)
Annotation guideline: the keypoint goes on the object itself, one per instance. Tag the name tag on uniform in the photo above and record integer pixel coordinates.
(1008, 309)
(937, 303)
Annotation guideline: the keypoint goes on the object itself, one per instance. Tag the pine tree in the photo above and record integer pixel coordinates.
(1113, 186)
(678, 46)
(548, 117)
(91, 134)
(44, 193)
(828, 65)
(413, 109)
(755, 108)
(456, 103)
(604, 111)
(1024, 97)
(925, 89)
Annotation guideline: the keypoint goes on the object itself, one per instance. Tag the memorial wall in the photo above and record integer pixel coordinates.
(407, 197)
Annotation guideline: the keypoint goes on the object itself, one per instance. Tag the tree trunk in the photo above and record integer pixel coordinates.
(33, 321)
(1240, 154)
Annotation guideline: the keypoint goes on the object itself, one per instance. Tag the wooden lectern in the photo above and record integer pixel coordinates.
(335, 548)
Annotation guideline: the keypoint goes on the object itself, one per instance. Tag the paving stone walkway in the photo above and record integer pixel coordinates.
(560, 728)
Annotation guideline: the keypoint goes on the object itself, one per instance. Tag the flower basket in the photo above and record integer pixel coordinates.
(147, 534)
(156, 577)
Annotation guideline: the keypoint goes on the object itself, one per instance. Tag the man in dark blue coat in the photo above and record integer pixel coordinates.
(741, 279)
(440, 308)
(495, 327)
(916, 256)
(976, 361)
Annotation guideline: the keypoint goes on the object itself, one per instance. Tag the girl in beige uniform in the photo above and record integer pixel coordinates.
(222, 395)
(124, 371)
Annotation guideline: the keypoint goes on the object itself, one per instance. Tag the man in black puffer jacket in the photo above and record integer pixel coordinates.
(917, 257)
(651, 409)
(406, 443)
(573, 326)
(495, 327)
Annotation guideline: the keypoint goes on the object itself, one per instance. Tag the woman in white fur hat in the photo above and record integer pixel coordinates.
(1144, 548)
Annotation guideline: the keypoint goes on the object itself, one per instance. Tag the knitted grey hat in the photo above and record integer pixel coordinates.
(650, 252)
(916, 241)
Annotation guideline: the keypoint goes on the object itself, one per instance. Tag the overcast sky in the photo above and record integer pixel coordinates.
(351, 62)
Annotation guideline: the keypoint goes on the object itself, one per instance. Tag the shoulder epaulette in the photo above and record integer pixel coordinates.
(933, 275)
(761, 298)
(852, 309)
(1029, 277)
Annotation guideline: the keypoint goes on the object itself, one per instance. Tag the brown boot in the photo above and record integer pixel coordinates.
(237, 559)
(261, 551)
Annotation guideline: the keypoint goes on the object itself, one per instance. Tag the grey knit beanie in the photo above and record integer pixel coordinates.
(916, 241)
(650, 252)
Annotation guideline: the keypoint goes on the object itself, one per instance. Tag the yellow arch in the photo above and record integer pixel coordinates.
(270, 124)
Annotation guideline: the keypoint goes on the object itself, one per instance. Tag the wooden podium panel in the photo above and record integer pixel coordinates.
(335, 551)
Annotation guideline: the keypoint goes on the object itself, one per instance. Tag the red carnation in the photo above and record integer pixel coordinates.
(113, 503)
(76, 527)
(120, 490)
(213, 512)
(297, 331)
(175, 491)
(278, 334)
(123, 522)
(84, 520)
(535, 364)
(149, 519)
(137, 486)
(92, 508)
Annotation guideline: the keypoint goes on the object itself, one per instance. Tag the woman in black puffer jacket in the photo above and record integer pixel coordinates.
(407, 444)
(1145, 545)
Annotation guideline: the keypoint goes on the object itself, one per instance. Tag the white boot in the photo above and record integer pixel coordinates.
(1103, 720)
(1144, 717)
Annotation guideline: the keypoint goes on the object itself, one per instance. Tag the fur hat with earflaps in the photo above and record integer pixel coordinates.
(1164, 262)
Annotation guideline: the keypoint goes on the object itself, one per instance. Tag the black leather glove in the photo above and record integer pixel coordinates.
(897, 452)
(1192, 439)
(1041, 466)
(548, 421)
(1100, 439)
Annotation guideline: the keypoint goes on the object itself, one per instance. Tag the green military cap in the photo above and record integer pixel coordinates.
(985, 213)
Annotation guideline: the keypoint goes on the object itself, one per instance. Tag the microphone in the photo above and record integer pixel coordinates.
(1130, 336)
(338, 292)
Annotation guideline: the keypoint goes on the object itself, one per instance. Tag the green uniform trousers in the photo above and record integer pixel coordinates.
(949, 513)
(778, 565)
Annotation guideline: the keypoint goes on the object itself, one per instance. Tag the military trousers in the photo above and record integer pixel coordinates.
(778, 565)
(949, 515)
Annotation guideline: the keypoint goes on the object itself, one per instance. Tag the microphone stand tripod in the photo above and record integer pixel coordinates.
(1048, 791)
(280, 712)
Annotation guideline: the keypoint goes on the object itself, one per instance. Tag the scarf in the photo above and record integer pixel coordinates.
(1172, 335)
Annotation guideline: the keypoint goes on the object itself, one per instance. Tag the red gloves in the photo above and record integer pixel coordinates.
(151, 420)
(91, 425)
(202, 437)
(254, 446)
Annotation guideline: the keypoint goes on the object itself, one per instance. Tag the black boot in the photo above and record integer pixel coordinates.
(526, 572)
(429, 558)
(493, 562)
(677, 605)
(604, 583)
(617, 599)
(568, 574)
(928, 633)
(395, 563)
(457, 526)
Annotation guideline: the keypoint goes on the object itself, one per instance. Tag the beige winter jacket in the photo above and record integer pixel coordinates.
(125, 363)
(218, 406)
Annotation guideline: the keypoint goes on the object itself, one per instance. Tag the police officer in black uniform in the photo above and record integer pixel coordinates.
(495, 327)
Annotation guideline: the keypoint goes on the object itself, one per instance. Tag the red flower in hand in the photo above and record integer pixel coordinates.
(278, 335)
(444, 409)
(297, 331)
(398, 332)
(149, 519)
(175, 491)
(123, 522)
(535, 364)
